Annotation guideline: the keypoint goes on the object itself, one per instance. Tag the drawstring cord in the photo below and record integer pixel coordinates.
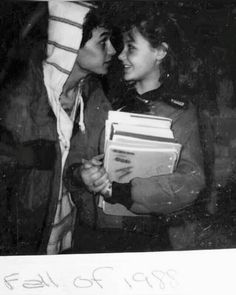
(80, 101)
(81, 119)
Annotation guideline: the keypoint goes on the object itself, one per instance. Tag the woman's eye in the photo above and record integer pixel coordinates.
(130, 47)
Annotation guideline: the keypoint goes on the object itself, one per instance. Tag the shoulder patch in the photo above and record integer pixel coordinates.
(180, 103)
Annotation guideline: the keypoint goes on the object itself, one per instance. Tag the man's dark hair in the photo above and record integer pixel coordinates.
(99, 16)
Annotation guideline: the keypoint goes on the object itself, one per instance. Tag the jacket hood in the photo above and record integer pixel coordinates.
(64, 39)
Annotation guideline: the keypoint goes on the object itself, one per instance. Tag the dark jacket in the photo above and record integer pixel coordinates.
(156, 196)
(28, 133)
(172, 192)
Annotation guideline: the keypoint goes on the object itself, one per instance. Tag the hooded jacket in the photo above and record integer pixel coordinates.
(40, 131)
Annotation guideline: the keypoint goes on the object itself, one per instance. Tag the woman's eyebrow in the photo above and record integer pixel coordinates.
(129, 37)
(129, 40)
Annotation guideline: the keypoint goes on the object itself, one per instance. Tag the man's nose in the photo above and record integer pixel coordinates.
(111, 50)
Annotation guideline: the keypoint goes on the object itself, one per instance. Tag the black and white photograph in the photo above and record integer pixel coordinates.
(117, 126)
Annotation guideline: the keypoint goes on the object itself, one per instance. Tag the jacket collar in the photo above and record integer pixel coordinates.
(151, 95)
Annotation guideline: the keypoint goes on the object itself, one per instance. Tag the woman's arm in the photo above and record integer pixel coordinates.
(168, 193)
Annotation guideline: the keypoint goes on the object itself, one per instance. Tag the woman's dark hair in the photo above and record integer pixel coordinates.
(157, 26)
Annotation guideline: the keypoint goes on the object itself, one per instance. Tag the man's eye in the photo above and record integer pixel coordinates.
(103, 42)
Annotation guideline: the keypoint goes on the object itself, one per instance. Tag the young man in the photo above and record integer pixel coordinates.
(40, 115)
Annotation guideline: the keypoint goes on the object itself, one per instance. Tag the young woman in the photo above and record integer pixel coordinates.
(151, 59)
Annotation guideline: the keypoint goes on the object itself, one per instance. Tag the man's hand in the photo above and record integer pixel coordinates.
(93, 175)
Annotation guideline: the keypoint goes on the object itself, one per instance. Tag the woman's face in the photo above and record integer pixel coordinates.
(139, 58)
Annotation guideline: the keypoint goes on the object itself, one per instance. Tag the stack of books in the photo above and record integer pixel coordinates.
(137, 145)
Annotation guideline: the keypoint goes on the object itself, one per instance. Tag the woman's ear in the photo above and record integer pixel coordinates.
(162, 51)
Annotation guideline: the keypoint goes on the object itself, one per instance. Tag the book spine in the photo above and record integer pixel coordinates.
(145, 137)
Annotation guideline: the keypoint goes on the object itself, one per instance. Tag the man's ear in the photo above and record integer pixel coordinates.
(162, 51)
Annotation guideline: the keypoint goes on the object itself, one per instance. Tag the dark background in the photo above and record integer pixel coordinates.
(206, 23)
(210, 27)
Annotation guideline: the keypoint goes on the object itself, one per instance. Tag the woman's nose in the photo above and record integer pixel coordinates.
(122, 55)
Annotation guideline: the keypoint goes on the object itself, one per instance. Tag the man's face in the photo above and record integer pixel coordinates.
(97, 52)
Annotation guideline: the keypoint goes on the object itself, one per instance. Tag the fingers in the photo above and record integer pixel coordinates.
(92, 174)
(99, 157)
(98, 175)
(96, 161)
(90, 170)
(86, 164)
(100, 188)
(107, 190)
(103, 179)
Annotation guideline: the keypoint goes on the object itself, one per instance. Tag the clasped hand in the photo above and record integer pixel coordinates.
(94, 175)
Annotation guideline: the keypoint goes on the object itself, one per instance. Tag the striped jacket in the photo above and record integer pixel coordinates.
(33, 113)
(30, 148)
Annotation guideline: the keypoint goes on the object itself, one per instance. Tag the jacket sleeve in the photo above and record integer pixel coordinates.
(90, 143)
(168, 193)
(26, 133)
